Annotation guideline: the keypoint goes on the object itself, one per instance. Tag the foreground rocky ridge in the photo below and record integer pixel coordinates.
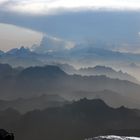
(76, 121)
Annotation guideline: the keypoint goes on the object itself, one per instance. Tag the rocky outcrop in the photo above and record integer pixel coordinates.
(4, 135)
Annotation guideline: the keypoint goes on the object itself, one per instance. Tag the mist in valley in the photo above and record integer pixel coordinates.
(69, 70)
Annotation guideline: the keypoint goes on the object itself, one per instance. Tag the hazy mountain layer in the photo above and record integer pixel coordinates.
(111, 98)
(24, 105)
(98, 70)
(79, 55)
(109, 72)
(34, 81)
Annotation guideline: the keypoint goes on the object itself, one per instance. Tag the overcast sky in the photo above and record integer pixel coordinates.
(51, 6)
(69, 19)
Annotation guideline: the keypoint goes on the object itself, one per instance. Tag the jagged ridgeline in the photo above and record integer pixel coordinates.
(51, 80)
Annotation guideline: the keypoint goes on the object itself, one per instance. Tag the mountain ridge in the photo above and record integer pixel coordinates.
(91, 117)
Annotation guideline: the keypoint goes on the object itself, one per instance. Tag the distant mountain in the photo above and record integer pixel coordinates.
(42, 72)
(134, 65)
(84, 53)
(53, 50)
(77, 121)
(19, 52)
(51, 79)
(1, 52)
(20, 57)
(69, 69)
(109, 72)
(111, 98)
(97, 70)
(41, 102)
(7, 71)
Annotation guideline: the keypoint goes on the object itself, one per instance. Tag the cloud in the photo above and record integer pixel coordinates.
(111, 27)
(53, 44)
(56, 6)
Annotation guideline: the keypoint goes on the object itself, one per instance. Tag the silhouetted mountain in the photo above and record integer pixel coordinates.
(50, 79)
(82, 56)
(77, 121)
(111, 98)
(25, 105)
(109, 72)
(19, 52)
(6, 71)
(35, 81)
(97, 70)
(42, 72)
(69, 69)
(57, 51)
(20, 57)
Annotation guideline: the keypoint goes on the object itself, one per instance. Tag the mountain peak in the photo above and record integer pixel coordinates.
(49, 70)
(90, 105)
(19, 51)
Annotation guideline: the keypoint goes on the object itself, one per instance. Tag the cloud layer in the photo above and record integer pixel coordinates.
(111, 27)
(53, 6)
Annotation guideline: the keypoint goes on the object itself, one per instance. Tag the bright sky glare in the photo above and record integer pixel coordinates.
(15, 37)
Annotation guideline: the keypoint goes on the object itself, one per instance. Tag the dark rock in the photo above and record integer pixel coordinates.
(4, 135)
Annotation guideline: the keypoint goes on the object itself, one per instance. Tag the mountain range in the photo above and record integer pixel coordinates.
(77, 120)
(82, 54)
(24, 57)
(81, 81)
(111, 98)
(98, 70)
(51, 80)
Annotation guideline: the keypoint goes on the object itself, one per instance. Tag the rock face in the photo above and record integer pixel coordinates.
(113, 137)
(4, 135)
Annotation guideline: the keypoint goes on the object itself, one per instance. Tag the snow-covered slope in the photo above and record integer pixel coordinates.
(113, 137)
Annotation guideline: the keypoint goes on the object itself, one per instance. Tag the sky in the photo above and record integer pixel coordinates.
(23, 22)
(12, 36)
(52, 6)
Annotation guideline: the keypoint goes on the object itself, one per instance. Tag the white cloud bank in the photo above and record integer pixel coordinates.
(53, 6)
